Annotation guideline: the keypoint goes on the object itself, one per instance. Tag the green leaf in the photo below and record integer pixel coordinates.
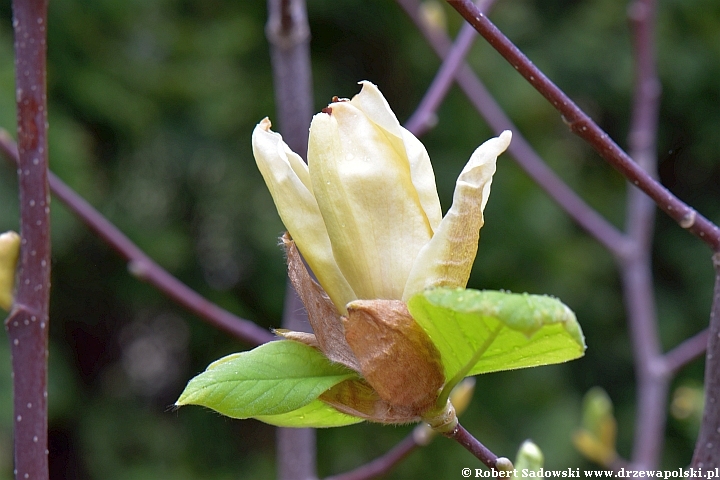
(315, 414)
(272, 379)
(515, 330)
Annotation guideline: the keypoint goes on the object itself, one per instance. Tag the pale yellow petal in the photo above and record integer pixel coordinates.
(423, 178)
(287, 178)
(368, 201)
(447, 259)
(9, 253)
(373, 104)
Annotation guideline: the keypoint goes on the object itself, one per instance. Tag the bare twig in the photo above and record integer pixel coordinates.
(520, 149)
(423, 117)
(143, 266)
(473, 445)
(289, 35)
(582, 125)
(288, 32)
(707, 453)
(652, 377)
(686, 351)
(636, 266)
(381, 465)
(27, 325)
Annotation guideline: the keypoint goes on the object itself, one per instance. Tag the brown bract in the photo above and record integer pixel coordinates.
(396, 356)
(400, 367)
(358, 398)
(324, 318)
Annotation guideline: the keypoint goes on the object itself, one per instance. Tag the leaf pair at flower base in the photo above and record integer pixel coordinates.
(268, 383)
(290, 383)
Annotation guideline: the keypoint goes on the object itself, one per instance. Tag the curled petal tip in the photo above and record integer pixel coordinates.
(505, 137)
(265, 124)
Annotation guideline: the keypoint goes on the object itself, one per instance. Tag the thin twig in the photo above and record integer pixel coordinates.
(27, 325)
(143, 266)
(685, 352)
(423, 117)
(473, 445)
(707, 451)
(636, 266)
(289, 35)
(520, 149)
(582, 125)
(381, 465)
(288, 32)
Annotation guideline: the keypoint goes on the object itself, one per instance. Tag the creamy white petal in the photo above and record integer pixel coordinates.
(447, 259)
(375, 107)
(287, 178)
(423, 178)
(368, 201)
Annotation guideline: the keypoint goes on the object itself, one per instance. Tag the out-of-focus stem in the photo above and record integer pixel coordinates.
(381, 465)
(707, 448)
(583, 126)
(288, 32)
(686, 351)
(28, 323)
(652, 377)
(422, 119)
(143, 266)
(519, 148)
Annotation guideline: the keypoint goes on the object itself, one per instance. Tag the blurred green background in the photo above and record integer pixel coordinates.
(152, 104)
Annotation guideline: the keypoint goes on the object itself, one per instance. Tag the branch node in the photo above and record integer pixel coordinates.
(637, 12)
(138, 269)
(504, 464)
(716, 260)
(287, 24)
(688, 220)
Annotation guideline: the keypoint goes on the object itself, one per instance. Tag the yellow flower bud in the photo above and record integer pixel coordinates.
(365, 215)
(9, 253)
(364, 212)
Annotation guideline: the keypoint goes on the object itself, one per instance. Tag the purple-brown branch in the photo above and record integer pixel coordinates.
(652, 378)
(519, 148)
(383, 464)
(707, 447)
(473, 445)
(583, 126)
(652, 368)
(631, 251)
(685, 352)
(288, 32)
(143, 266)
(27, 325)
(424, 116)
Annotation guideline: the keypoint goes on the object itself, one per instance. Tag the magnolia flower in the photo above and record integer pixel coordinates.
(365, 214)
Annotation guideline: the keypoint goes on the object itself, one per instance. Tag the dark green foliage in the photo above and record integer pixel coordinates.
(152, 104)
